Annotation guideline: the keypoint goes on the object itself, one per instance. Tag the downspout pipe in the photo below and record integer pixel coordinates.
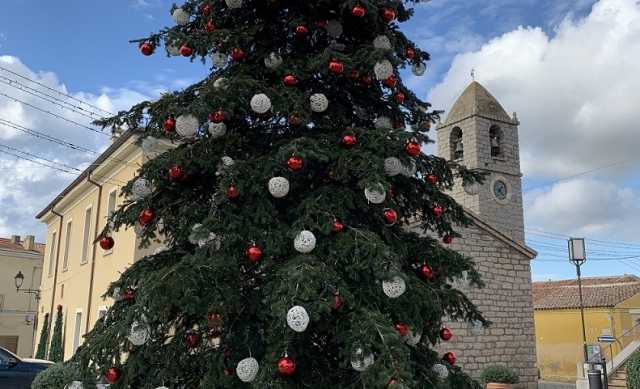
(55, 274)
(93, 253)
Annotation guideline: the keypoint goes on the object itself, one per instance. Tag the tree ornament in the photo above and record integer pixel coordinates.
(383, 69)
(304, 242)
(247, 369)
(112, 375)
(336, 66)
(298, 318)
(278, 187)
(348, 141)
(382, 42)
(210, 27)
(418, 69)
(74, 385)
(219, 59)
(173, 49)
(390, 216)
(221, 83)
(233, 192)
(338, 301)
(450, 358)
(176, 173)
(410, 53)
(286, 366)
(107, 243)
(354, 75)
(437, 211)
(409, 171)
(301, 30)
(295, 163)
(394, 287)
(227, 162)
(334, 28)
(139, 333)
(206, 10)
(388, 15)
(390, 82)
(180, 16)
(432, 179)
(375, 194)
(412, 149)
(233, 4)
(383, 123)
(392, 166)
(146, 216)
(412, 339)
(129, 294)
(273, 61)
(441, 371)
(253, 253)
(147, 48)
(366, 79)
(140, 189)
(237, 54)
(358, 11)
(426, 272)
(361, 360)
(217, 130)
(447, 239)
(319, 102)
(337, 226)
(402, 328)
(446, 334)
(185, 50)
(192, 339)
(290, 80)
(399, 97)
(169, 125)
(294, 120)
(187, 125)
(260, 103)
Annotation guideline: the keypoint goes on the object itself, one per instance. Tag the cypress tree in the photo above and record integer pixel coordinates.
(56, 351)
(41, 353)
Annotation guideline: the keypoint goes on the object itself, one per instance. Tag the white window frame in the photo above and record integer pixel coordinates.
(77, 330)
(86, 234)
(52, 252)
(67, 246)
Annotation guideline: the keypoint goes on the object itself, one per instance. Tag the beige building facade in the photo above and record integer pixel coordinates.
(17, 307)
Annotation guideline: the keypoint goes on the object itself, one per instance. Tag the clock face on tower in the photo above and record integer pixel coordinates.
(500, 190)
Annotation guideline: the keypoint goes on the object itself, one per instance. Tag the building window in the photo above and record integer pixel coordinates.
(86, 235)
(67, 247)
(457, 148)
(52, 252)
(495, 137)
(76, 332)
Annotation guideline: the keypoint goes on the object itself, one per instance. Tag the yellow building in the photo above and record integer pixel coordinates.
(612, 307)
(77, 272)
(17, 308)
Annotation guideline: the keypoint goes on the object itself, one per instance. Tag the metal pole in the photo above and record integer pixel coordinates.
(595, 382)
(605, 374)
(584, 332)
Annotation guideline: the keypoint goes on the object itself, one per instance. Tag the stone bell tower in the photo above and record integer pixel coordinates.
(479, 134)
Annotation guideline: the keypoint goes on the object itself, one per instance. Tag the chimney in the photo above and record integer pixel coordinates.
(15, 239)
(29, 243)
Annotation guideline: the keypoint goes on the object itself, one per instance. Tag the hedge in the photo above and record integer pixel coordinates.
(55, 377)
(633, 371)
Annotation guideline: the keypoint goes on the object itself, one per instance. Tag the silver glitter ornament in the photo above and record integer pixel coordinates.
(383, 69)
(141, 188)
(139, 333)
(217, 130)
(419, 69)
(260, 103)
(441, 371)
(219, 60)
(273, 61)
(298, 318)
(233, 4)
(187, 125)
(383, 123)
(375, 194)
(221, 83)
(382, 42)
(247, 369)
(394, 288)
(304, 242)
(361, 359)
(278, 187)
(319, 102)
(180, 16)
(392, 166)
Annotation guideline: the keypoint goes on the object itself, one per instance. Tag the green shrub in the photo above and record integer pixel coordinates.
(55, 377)
(499, 375)
(633, 371)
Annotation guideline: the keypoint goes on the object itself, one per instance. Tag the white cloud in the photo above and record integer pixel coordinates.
(575, 92)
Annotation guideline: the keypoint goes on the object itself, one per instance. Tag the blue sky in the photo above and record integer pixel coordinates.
(566, 67)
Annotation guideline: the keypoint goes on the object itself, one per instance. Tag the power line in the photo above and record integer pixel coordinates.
(42, 135)
(31, 155)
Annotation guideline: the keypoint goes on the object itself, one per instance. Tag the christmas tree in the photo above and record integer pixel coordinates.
(41, 353)
(306, 232)
(56, 350)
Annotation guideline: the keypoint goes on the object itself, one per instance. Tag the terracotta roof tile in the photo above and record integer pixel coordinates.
(596, 292)
(7, 245)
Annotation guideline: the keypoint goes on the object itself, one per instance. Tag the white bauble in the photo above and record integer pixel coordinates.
(392, 166)
(383, 123)
(361, 360)
(334, 28)
(247, 369)
(74, 385)
(233, 3)
(180, 16)
(419, 69)
(394, 287)
(375, 194)
(187, 125)
(219, 60)
(260, 103)
(227, 162)
(298, 318)
(412, 339)
(319, 102)
(382, 42)
(173, 50)
(273, 61)
(304, 242)
(216, 130)
(441, 371)
(141, 188)
(383, 69)
(221, 83)
(139, 333)
(117, 294)
(279, 187)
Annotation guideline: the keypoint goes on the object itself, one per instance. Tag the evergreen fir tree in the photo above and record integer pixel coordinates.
(306, 232)
(41, 353)
(56, 350)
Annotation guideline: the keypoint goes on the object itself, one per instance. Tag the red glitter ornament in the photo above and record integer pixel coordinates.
(426, 271)
(433, 179)
(338, 226)
(402, 328)
(286, 366)
(147, 48)
(410, 53)
(176, 173)
(191, 339)
(447, 239)
(412, 149)
(186, 51)
(446, 334)
(348, 141)
(338, 302)
(210, 27)
(358, 11)
(107, 243)
(217, 116)
(302, 30)
(206, 10)
(390, 82)
(336, 67)
(389, 15)
(233, 192)
(169, 124)
(112, 375)
(390, 216)
(129, 294)
(295, 163)
(237, 54)
(450, 358)
(253, 253)
(437, 211)
(290, 80)
(399, 97)
(146, 216)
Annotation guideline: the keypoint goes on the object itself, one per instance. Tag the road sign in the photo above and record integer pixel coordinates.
(606, 339)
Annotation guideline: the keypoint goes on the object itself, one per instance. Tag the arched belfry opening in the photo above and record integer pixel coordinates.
(456, 145)
(495, 138)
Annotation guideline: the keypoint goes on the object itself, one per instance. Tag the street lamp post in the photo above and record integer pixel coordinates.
(19, 279)
(578, 256)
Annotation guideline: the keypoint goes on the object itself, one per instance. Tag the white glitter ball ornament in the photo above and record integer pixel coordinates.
(394, 287)
(273, 61)
(221, 83)
(334, 28)
(139, 333)
(383, 69)
(260, 103)
(216, 130)
(233, 4)
(180, 16)
(382, 42)
(383, 123)
(74, 385)
(279, 187)
(247, 369)
(304, 242)
(319, 102)
(419, 69)
(298, 318)
(441, 371)
(412, 339)
(392, 166)
(219, 60)
(227, 162)
(141, 188)
(361, 360)
(187, 125)
(375, 194)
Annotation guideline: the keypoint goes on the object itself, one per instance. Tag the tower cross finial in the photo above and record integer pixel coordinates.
(473, 74)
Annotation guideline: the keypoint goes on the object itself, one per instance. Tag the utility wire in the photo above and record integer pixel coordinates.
(31, 155)
(42, 135)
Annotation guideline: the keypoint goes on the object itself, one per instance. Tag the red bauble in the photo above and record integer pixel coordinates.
(176, 173)
(402, 328)
(233, 192)
(410, 53)
(399, 97)
(147, 48)
(366, 79)
(412, 149)
(433, 179)
(338, 302)
(447, 239)
(169, 124)
(437, 211)
(336, 67)
(186, 51)
(446, 334)
(146, 216)
(338, 226)
(322, 23)
(286, 366)
(290, 80)
(59, 308)
(217, 116)
(450, 358)
(228, 371)
(206, 10)
(294, 120)
(112, 375)
(107, 243)
(388, 15)
(358, 11)
(191, 339)
(237, 54)
(302, 30)
(129, 294)
(354, 75)
(392, 383)
(253, 253)
(426, 271)
(390, 82)
(210, 27)
(348, 141)
(390, 216)
(295, 163)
